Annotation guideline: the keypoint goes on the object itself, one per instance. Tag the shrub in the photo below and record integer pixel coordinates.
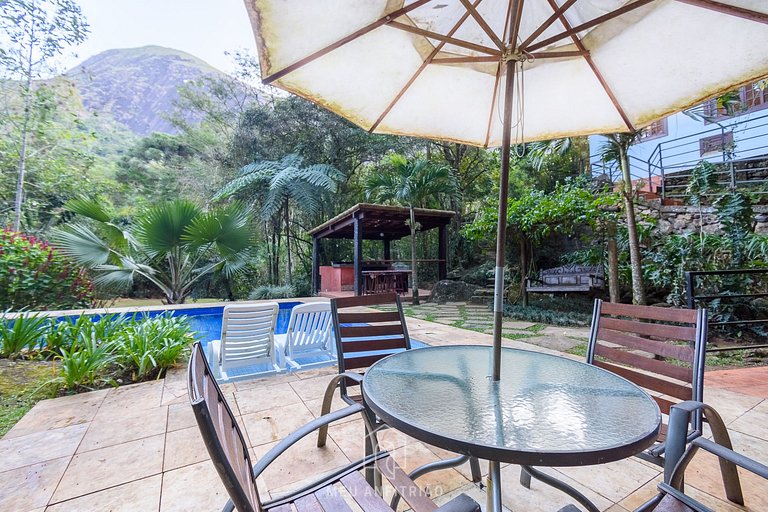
(564, 311)
(273, 292)
(149, 346)
(33, 275)
(24, 333)
(86, 364)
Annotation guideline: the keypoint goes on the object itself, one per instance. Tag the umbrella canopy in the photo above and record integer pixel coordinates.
(434, 68)
(490, 72)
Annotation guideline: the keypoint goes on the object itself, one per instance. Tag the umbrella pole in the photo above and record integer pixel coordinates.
(501, 227)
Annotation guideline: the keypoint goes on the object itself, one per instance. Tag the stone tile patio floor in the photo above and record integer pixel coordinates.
(137, 448)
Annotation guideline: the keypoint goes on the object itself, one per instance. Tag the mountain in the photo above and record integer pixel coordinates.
(137, 86)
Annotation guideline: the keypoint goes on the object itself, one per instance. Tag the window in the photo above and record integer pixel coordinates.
(748, 99)
(654, 130)
(716, 143)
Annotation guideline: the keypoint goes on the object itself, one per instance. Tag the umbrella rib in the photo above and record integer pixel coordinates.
(516, 26)
(440, 37)
(589, 24)
(463, 60)
(558, 55)
(732, 10)
(483, 24)
(495, 94)
(427, 61)
(544, 26)
(598, 75)
(341, 42)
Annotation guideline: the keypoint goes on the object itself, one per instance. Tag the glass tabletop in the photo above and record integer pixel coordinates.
(546, 410)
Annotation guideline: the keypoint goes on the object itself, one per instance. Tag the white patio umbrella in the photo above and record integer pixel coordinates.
(493, 72)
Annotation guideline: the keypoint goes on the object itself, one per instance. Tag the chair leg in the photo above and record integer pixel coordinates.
(322, 433)
(372, 474)
(525, 478)
(474, 467)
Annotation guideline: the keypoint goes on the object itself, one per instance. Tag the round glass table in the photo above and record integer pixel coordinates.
(545, 411)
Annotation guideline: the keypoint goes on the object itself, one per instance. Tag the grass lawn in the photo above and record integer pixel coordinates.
(126, 303)
(21, 387)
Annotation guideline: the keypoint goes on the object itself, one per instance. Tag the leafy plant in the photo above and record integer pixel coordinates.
(172, 245)
(85, 364)
(36, 276)
(24, 333)
(149, 346)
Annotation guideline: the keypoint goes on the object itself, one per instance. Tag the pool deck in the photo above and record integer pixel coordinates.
(137, 448)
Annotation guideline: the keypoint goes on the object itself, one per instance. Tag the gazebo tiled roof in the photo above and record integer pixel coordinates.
(380, 222)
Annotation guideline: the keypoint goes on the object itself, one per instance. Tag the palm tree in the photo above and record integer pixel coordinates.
(617, 149)
(172, 245)
(411, 183)
(277, 184)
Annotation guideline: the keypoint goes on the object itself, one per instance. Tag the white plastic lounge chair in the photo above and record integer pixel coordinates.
(308, 334)
(247, 337)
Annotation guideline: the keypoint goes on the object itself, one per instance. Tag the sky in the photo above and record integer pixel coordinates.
(204, 28)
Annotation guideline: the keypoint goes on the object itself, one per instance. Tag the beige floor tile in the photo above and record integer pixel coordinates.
(39, 447)
(349, 437)
(174, 393)
(184, 447)
(109, 429)
(614, 480)
(106, 467)
(753, 422)
(265, 381)
(180, 416)
(59, 413)
(302, 461)
(464, 469)
(311, 389)
(728, 404)
(541, 497)
(144, 395)
(337, 403)
(276, 423)
(641, 495)
(31, 486)
(265, 397)
(195, 487)
(143, 495)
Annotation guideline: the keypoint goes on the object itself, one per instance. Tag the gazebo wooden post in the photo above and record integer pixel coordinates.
(442, 253)
(358, 250)
(315, 265)
(387, 249)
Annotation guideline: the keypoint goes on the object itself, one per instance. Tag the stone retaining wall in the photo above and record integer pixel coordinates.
(686, 219)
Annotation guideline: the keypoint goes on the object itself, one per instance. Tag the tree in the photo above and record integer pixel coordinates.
(172, 245)
(411, 183)
(617, 149)
(35, 31)
(277, 184)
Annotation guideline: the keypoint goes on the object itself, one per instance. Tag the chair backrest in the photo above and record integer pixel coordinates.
(362, 338)
(659, 349)
(309, 328)
(221, 433)
(247, 334)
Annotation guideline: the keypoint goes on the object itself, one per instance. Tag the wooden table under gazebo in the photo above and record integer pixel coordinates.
(374, 222)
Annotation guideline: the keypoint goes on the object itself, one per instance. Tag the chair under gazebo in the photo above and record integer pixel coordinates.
(374, 222)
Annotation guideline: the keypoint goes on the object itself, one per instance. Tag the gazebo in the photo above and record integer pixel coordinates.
(375, 222)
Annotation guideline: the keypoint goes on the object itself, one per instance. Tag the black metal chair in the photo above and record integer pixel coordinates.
(660, 349)
(229, 453)
(362, 338)
(680, 453)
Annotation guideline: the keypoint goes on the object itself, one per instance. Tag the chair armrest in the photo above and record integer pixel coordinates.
(461, 503)
(297, 435)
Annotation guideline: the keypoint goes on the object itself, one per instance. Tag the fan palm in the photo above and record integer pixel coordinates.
(411, 183)
(277, 184)
(172, 245)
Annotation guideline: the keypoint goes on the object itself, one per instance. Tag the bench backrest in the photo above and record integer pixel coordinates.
(570, 274)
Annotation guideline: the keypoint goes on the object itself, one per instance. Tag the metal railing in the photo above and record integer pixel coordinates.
(695, 280)
(738, 150)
